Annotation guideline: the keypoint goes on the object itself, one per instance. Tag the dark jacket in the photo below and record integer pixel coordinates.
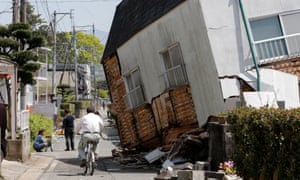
(68, 122)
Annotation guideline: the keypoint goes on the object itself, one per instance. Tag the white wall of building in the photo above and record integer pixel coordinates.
(213, 43)
(184, 25)
(284, 85)
(258, 9)
(227, 33)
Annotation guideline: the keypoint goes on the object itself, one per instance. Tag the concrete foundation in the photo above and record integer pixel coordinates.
(19, 149)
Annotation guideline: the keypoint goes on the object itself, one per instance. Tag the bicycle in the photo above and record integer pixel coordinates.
(90, 158)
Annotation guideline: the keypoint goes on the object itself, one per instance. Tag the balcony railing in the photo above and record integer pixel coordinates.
(23, 120)
(135, 97)
(278, 48)
(175, 76)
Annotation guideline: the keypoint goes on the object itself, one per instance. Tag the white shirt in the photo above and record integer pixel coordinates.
(90, 123)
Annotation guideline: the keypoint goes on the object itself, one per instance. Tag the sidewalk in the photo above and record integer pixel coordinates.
(31, 169)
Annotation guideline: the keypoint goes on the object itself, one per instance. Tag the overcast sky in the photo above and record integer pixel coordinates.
(86, 12)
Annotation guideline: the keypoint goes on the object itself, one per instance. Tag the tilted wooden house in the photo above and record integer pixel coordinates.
(171, 64)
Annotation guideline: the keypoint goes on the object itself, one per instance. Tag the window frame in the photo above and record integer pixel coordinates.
(136, 88)
(285, 46)
(175, 68)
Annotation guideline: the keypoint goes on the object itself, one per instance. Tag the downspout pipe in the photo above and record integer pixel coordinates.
(250, 45)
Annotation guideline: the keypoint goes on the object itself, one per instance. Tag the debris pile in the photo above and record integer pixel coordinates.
(189, 147)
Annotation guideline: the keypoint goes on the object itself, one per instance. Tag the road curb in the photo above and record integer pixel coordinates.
(37, 165)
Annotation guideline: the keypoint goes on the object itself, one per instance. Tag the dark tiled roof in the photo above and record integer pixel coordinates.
(131, 16)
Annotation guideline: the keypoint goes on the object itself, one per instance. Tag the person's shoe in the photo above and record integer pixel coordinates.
(83, 163)
(67, 149)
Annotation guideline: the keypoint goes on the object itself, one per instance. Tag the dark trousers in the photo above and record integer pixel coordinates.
(69, 136)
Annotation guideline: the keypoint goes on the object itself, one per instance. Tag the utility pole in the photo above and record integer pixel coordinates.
(23, 11)
(15, 14)
(54, 64)
(93, 29)
(54, 50)
(54, 56)
(75, 59)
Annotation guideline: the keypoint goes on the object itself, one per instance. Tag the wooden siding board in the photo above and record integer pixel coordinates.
(117, 89)
(148, 126)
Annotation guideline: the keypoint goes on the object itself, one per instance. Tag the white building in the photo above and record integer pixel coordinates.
(204, 44)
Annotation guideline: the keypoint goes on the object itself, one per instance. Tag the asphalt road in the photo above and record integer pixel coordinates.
(66, 164)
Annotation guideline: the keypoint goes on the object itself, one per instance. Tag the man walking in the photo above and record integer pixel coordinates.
(90, 127)
(68, 125)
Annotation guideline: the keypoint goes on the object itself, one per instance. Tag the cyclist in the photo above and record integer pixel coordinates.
(90, 127)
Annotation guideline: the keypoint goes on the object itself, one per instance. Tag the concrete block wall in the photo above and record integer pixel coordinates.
(19, 149)
(197, 175)
(220, 144)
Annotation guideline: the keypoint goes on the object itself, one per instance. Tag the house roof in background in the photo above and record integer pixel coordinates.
(131, 16)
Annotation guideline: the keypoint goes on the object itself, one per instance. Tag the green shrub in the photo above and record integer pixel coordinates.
(82, 104)
(267, 142)
(103, 93)
(38, 122)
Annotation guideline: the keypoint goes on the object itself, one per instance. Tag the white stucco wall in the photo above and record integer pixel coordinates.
(258, 9)
(184, 25)
(227, 33)
(284, 85)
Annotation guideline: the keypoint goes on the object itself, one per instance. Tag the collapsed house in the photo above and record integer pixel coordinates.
(171, 64)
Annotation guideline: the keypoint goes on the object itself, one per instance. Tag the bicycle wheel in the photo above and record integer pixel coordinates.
(87, 164)
(91, 163)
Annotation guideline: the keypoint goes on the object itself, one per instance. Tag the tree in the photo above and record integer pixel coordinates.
(89, 47)
(34, 20)
(65, 91)
(17, 42)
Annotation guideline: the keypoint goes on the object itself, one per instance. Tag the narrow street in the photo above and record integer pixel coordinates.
(65, 164)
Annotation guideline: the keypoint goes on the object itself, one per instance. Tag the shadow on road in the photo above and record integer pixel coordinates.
(108, 164)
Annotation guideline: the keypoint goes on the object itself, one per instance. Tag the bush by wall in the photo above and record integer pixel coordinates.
(38, 122)
(267, 142)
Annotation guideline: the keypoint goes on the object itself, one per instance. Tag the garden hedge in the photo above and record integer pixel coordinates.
(38, 122)
(267, 142)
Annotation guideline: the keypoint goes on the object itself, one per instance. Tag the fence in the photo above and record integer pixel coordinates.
(23, 120)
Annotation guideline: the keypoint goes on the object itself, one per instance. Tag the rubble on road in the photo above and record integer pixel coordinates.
(188, 147)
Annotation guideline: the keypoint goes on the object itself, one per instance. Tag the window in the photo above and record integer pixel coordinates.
(265, 29)
(175, 74)
(277, 36)
(135, 95)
